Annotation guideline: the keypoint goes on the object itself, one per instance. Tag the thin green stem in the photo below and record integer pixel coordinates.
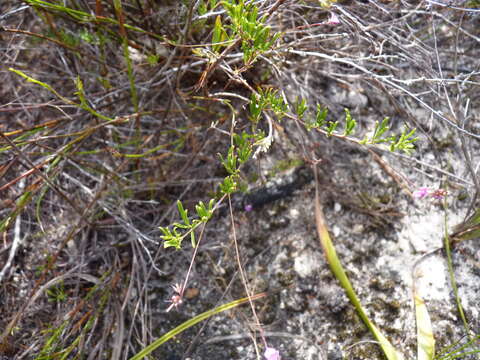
(452, 273)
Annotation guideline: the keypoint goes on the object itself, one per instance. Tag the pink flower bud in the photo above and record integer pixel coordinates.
(271, 354)
(421, 193)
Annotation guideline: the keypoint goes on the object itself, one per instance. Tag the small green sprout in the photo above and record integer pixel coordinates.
(174, 238)
(266, 99)
(379, 130)
(246, 25)
(404, 142)
(244, 146)
(229, 185)
(332, 126)
(183, 214)
(350, 123)
(204, 213)
(171, 238)
(320, 118)
(301, 107)
(57, 293)
(230, 163)
(219, 35)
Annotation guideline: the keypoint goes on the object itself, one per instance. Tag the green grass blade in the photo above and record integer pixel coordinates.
(85, 17)
(42, 84)
(126, 53)
(189, 323)
(468, 230)
(451, 273)
(342, 277)
(22, 201)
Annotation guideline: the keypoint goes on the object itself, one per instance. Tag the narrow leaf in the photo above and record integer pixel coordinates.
(342, 277)
(217, 33)
(183, 212)
(425, 340)
(189, 323)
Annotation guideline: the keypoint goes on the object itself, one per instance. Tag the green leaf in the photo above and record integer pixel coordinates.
(405, 141)
(202, 8)
(22, 201)
(217, 34)
(260, 40)
(152, 59)
(211, 203)
(320, 116)
(350, 123)
(202, 212)
(332, 125)
(229, 185)
(230, 163)
(244, 147)
(80, 93)
(181, 226)
(174, 242)
(380, 129)
(183, 213)
(42, 84)
(171, 239)
(301, 107)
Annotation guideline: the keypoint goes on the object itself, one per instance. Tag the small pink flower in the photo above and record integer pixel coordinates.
(333, 19)
(176, 300)
(421, 193)
(438, 194)
(271, 354)
(248, 207)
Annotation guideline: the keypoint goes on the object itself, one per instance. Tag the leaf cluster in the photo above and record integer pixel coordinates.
(246, 25)
(175, 236)
(238, 154)
(403, 141)
(266, 99)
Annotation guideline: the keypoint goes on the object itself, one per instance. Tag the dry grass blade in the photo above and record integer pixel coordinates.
(425, 339)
